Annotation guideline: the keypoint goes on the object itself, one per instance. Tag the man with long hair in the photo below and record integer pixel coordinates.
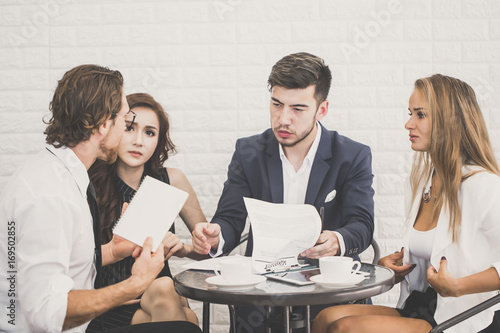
(48, 257)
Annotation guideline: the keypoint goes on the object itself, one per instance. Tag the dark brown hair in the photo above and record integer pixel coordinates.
(103, 175)
(165, 144)
(299, 71)
(84, 99)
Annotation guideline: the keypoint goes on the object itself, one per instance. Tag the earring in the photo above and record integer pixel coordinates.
(426, 196)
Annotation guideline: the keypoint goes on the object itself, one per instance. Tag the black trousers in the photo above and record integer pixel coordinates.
(422, 305)
(158, 327)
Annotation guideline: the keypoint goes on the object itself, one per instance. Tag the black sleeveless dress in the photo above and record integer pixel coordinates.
(119, 271)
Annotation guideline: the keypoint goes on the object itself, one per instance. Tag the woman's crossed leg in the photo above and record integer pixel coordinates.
(161, 302)
(359, 318)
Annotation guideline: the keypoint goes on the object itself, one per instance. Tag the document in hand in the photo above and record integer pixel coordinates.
(151, 212)
(281, 232)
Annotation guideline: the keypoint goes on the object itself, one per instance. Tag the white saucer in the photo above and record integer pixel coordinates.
(353, 280)
(219, 282)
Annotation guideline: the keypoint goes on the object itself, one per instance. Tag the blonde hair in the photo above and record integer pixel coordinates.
(458, 137)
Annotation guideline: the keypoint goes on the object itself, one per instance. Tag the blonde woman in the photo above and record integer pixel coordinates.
(450, 258)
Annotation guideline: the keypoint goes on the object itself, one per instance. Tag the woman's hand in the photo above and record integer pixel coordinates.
(442, 282)
(448, 286)
(395, 262)
(173, 245)
(121, 248)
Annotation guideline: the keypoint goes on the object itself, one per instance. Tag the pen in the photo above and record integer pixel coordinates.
(280, 269)
(283, 269)
(322, 215)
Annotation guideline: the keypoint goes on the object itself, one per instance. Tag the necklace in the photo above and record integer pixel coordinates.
(426, 196)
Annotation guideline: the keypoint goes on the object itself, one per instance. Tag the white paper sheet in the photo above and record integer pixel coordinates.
(206, 264)
(281, 232)
(151, 212)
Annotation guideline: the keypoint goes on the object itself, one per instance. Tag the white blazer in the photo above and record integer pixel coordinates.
(477, 249)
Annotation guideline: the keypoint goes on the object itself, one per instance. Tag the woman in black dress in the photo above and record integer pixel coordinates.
(144, 148)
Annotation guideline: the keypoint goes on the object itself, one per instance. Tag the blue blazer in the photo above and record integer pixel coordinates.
(340, 164)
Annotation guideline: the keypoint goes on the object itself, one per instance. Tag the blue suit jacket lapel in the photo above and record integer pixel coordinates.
(275, 172)
(320, 167)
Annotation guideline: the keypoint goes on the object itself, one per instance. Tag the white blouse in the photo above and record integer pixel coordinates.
(420, 243)
(476, 250)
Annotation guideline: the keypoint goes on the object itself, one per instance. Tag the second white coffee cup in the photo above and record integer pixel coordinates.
(338, 269)
(238, 269)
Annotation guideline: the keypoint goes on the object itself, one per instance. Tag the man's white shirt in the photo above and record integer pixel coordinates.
(54, 248)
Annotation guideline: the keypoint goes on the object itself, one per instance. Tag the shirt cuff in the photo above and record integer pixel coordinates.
(49, 313)
(496, 265)
(219, 249)
(341, 243)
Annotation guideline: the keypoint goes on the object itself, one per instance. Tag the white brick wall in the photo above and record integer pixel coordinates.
(208, 62)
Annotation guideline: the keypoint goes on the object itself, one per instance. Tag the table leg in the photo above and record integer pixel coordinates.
(206, 317)
(307, 318)
(266, 323)
(287, 318)
(232, 318)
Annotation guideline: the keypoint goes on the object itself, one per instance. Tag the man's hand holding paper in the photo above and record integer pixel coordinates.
(281, 232)
(327, 245)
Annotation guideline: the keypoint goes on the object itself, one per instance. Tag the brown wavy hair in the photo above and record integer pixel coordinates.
(103, 175)
(85, 98)
(458, 137)
(299, 71)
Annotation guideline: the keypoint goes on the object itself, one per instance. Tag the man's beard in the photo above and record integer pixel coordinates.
(291, 144)
(108, 155)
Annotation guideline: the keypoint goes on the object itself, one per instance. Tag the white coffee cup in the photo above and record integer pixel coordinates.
(237, 269)
(338, 269)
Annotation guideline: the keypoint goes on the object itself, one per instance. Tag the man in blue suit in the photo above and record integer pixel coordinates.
(297, 161)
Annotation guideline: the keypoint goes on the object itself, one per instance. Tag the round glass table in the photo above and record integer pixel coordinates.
(269, 293)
